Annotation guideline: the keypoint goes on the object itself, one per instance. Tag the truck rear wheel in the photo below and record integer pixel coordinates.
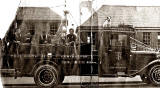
(46, 76)
(154, 75)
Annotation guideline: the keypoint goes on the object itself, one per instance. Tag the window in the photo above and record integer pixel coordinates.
(158, 37)
(89, 37)
(93, 38)
(146, 38)
(53, 28)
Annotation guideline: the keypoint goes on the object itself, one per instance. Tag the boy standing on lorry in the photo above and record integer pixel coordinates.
(71, 38)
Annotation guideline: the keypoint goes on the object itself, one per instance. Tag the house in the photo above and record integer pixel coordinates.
(37, 20)
(33, 26)
(144, 19)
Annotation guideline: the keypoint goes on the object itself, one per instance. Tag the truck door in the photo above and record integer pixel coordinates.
(115, 53)
(118, 52)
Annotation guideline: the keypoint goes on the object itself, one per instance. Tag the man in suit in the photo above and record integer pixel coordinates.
(44, 38)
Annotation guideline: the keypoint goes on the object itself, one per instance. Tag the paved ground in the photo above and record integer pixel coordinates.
(80, 82)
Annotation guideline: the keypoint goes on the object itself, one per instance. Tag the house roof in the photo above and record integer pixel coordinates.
(37, 13)
(138, 16)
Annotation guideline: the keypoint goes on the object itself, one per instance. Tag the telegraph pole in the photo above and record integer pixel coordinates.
(91, 41)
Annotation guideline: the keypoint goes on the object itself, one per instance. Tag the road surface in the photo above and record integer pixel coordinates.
(80, 82)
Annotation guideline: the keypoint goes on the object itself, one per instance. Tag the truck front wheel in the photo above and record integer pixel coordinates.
(154, 75)
(46, 76)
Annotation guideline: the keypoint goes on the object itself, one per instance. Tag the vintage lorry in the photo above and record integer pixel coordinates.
(99, 51)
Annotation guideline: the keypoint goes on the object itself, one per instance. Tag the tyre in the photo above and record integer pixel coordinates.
(46, 76)
(154, 75)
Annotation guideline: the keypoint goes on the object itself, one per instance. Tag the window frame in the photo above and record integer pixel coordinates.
(147, 38)
(53, 26)
(158, 40)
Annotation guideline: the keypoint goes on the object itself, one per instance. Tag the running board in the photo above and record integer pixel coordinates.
(12, 71)
(119, 74)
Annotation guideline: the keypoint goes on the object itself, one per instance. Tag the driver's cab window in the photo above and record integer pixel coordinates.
(118, 41)
(89, 37)
(93, 39)
(122, 39)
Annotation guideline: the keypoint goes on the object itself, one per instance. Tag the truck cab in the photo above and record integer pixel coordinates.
(120, 54)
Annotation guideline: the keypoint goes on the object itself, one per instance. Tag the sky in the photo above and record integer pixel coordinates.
(8, 9)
